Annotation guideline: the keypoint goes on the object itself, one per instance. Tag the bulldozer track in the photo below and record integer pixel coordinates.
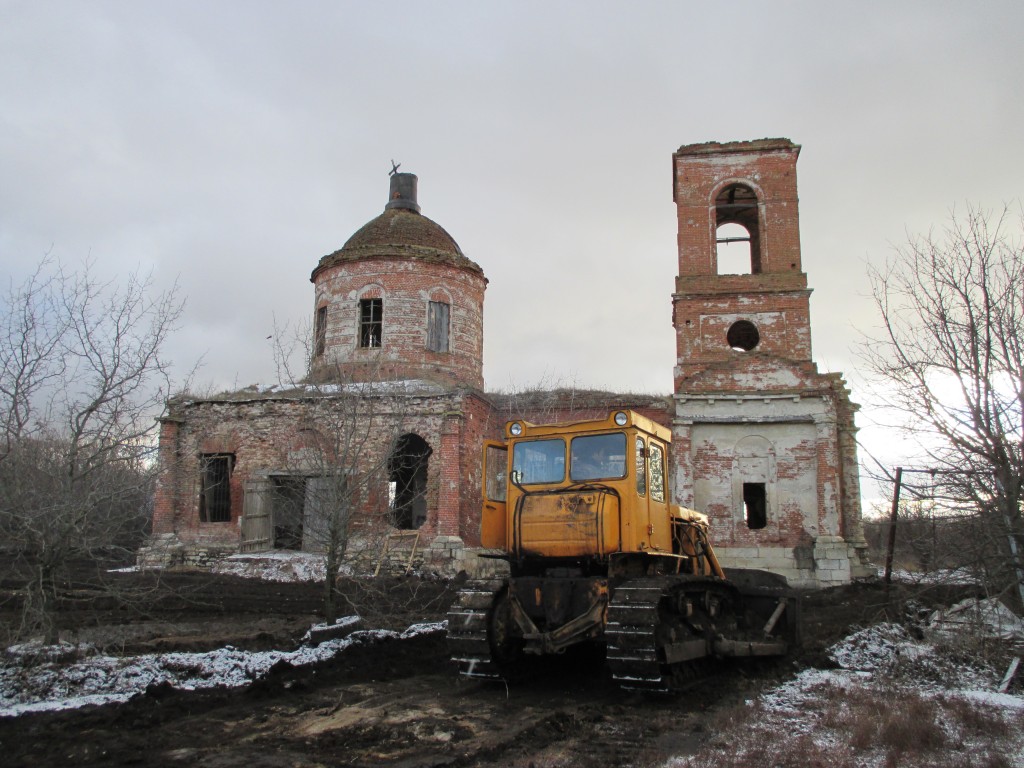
(635, 654)
(631, 635)
(661, 633)
(468, 620)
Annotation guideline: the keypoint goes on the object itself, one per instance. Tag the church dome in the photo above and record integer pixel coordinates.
(401, 232)
(399, 302)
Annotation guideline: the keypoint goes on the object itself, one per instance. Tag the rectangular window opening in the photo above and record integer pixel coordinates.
(320, 332)
(371, 316)
(438, 314)
(755, 505)
(215, 491)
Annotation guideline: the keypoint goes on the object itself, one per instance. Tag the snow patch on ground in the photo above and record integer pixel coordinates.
(884, 664)
(274, 566)
(940, 576)
(976, 618)
(346, 623)
(36, 678)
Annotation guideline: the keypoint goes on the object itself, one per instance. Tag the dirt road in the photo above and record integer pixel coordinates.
(395, 703)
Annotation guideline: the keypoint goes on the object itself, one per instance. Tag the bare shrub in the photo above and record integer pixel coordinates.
(82, 377)
(912, 727)
(855, 725)
(974, 720)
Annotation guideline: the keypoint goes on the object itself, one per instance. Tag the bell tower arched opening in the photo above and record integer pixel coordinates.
(738, 230)
(732, 250)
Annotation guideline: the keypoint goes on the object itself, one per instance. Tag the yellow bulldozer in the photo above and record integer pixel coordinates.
(598, 553)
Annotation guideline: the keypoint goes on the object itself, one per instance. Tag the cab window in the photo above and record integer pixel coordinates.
(641, 467)
(538, 461)
(657, 462)
(494, 480)
(598, 457)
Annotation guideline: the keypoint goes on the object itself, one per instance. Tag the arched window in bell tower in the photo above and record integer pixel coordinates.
(732, 242)
(738, 230)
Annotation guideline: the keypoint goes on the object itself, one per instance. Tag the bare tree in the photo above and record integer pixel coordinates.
(82, 377)
(351, 437)
(950, 361)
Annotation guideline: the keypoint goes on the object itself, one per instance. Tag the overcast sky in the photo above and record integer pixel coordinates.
(230, 145)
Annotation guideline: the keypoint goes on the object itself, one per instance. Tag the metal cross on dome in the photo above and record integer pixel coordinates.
(394, 168)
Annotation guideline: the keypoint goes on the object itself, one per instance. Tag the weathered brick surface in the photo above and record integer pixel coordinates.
(406, 286)
(769, 168)
(297, 435)
(765, 415)
(407, 261)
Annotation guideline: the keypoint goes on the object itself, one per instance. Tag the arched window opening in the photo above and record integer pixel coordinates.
(733, 243)
(737, 205)
(407, 473)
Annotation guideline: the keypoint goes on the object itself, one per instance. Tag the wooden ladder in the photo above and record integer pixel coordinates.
(387, 548)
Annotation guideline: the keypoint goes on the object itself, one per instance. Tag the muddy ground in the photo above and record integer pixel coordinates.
(396, 703)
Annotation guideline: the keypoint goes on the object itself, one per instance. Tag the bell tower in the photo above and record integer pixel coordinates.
(741, 288)
(763, 442)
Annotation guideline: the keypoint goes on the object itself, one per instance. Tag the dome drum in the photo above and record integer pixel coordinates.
(399, 301)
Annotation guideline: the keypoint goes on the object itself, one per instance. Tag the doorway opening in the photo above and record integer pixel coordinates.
(407, 470)
(289, 503)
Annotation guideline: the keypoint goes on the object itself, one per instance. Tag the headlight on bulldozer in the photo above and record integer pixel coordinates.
(621, 419)
(515, 429)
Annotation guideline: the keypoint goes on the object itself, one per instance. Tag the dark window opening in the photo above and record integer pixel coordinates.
(743, 336)
(371, 316)
(407, 473)
(755, 505)
(320, 332)
(737, 205)
(437, 326)
(289, 504)
(215, 490)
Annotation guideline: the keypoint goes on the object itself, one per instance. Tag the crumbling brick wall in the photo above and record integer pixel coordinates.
(406, 287)
(755, 422)
(272, 435)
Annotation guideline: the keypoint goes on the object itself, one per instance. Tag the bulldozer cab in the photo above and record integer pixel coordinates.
(586, 489)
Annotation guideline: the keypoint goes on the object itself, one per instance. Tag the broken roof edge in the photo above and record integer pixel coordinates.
(755, 145)
(579, 398)
(420, 253)
(309, 391)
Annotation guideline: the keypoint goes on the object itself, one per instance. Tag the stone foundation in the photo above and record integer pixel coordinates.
(168, 551)
(828, 562)
(444, 556)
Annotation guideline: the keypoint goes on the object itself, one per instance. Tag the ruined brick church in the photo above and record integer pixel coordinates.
(392, 413)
